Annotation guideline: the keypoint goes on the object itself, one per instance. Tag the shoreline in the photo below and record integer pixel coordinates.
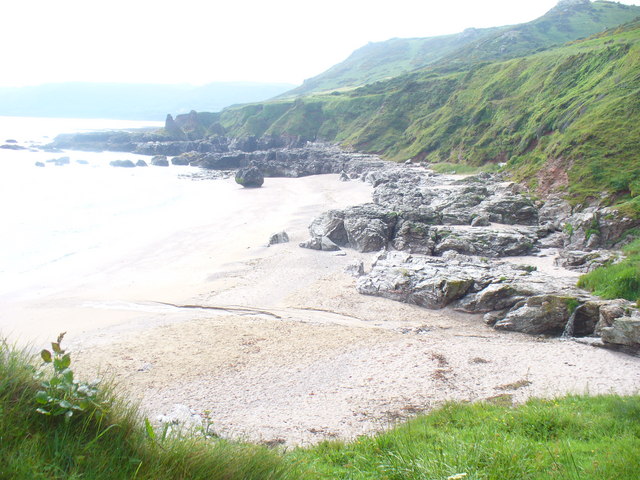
(274, 342)
(293, 355)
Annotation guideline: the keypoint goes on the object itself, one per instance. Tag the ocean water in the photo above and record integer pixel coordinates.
(60, 221)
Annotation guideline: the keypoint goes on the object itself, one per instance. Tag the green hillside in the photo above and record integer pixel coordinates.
(383, 60)
(574, 109)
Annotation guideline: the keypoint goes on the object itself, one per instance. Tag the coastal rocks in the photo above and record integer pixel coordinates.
(547, 314)
(320, 243)
(141, 163)
(250, 177)
(355, 269)
(585, 261)
(280, 237)
(39, 164)
(160, 161)
(624, 331)
(122, 163)
(516, 297)
(59, 162)
(365, 228)
(12, 146)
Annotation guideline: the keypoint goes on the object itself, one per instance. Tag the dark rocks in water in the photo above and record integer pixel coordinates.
(184, 159)
(82, 162)
(160, 161)
(60, 161)
(344, 177)
(10, 140)
(39, 164)
(141, 163)
(122, 163)
(280, 237)
(12, 147)
(250, 177)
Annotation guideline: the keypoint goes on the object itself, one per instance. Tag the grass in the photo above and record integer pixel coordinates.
(564, 119)
(575, 437)
(619, 280)
(111, 446)
(572, 437)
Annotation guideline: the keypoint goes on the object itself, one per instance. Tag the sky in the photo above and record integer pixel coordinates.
(197, 41)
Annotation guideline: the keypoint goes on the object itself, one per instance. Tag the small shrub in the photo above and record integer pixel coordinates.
(61, 394)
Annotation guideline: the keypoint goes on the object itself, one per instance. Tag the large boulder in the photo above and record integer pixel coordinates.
(547, 314)
(624, 331)
(160, 161)
(250, 177)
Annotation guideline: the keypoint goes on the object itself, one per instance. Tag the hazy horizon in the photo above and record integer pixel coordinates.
(197, 43)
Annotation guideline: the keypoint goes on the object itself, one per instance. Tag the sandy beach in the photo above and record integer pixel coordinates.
(275, 344)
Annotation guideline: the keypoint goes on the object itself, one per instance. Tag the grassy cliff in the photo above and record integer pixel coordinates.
(565, 119)
(384, 60)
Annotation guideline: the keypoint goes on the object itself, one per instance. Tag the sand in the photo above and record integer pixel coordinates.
(275, 345)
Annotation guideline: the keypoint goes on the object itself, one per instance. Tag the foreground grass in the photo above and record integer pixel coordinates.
(568, 438)
(620, 280)
(572, 437)
(111, 446)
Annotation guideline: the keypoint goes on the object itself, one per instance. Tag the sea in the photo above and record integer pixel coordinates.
(57, 221)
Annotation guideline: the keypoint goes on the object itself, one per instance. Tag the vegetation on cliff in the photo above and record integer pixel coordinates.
(572, 437)
(383, 60)
(565, 119)
(618, 280)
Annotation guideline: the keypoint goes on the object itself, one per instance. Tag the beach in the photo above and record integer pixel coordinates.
(274, 344)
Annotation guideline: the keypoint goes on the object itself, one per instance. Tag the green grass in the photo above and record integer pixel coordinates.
(461, 169)
(619, 280)
(110, 446)
(573, 109)
(567, 438)
(382, 60)
(575, 437)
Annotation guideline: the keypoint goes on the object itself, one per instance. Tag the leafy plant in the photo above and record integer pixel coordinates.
(62, 394)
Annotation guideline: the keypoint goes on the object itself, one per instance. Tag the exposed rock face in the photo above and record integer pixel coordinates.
(250, 177)
(141, 163)
(624, 331)
(419, 212)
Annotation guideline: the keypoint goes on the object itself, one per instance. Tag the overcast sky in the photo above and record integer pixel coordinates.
(199, 41)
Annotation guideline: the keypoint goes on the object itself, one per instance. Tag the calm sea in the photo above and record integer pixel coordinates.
(65, 220)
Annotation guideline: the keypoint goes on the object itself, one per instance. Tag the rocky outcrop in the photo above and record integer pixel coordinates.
(250, 177)
(419, 212)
